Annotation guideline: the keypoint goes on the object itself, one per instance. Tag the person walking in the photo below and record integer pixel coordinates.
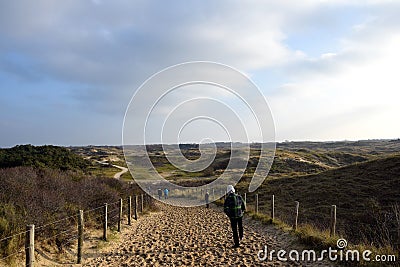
(207, 199)
(159, 191)
(166, 193)
(234, 208)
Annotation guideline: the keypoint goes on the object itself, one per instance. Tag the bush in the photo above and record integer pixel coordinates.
(42, 196)
(42, 157)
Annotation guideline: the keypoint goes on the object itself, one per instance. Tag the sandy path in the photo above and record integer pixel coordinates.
(194, 237)
(119, 174)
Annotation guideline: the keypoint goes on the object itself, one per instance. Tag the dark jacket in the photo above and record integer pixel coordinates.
(234, 206)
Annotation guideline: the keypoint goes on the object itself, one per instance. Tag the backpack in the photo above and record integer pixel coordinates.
(234, 206)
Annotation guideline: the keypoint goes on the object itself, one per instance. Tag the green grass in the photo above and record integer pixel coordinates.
(127, 177)
(102, 170)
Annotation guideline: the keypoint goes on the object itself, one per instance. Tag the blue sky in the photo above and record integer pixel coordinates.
(328, 69)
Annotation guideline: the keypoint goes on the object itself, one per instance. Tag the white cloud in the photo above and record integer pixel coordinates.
(349, 94)
(338, 59)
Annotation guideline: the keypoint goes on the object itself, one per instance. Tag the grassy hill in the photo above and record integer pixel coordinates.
(291, 158)
(367, 195)
(48, 156)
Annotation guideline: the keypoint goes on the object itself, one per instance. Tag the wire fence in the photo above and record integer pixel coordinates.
(320, 216)
(357, 223)
(63, 234)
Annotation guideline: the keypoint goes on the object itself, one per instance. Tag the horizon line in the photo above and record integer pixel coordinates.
(218, 142)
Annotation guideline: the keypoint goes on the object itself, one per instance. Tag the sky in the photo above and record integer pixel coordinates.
(327, 69)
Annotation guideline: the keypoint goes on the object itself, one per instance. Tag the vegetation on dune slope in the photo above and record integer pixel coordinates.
(49, 184)
(366, 194)
(41, 196)
(41, 157)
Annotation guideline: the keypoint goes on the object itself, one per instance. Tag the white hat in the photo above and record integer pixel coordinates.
(230, 189)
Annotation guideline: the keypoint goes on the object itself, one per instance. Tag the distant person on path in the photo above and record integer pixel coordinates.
(166, 193)
(207, 199)
(234, 207)
(159, 193)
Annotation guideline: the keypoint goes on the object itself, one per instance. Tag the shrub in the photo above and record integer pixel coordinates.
(42, 196)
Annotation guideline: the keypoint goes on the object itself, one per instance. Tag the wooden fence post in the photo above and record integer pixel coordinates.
(30, 245)
(141, 203)
(105, 222)
(80, 236)
(129, 210)
(256, 204)
(273, 207)
(120, 215)
(333, 220)
(296, 215)
(136, 206)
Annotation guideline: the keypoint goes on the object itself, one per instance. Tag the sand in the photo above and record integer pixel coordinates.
(198, 236)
